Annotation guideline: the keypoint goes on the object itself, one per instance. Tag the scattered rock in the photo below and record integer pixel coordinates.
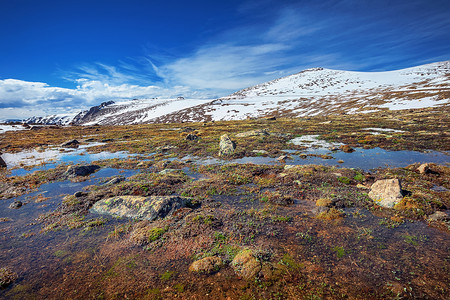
(283, 157)
(138, 207)
(169, 171)
(80, 194)
(115, 180)
(206, 265)
(15, 205)
(438, 216)
(361, 186)
(25, 125)
(334, 148)
(386, 192)
(74, 171)
(70, 144)
(424, 169)
(35, 128)
(324, 202)
(347, 149)
(6, 277)
(2, 163)
(271, 118)
(165, 148)
(256, 132)
(262, 152)
(439, 189)
(187, 129)
(192, 137)
(245, 264)
(226, 145)
(107, 140)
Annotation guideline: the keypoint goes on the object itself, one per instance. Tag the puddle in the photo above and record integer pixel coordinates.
(364, 159)
(313, 141)
(48, 159)
(376, 131)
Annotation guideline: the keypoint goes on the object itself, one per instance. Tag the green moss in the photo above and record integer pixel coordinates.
(344, 180)
(167, 275)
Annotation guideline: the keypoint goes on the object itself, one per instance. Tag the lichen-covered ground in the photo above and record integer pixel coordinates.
(301, 232)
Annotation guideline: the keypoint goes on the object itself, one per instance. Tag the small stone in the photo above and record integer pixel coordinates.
(15, 205)
(347, 149)
(262, 152)
(70, 144)
(324, 202)
(438, 216)
(361, 186)
(79, 194)
(2, 163)
(439, 189)
(256, 132)
(207, 265)
(192, 137)
(282, 157)
(386, 193)
(424, 169)
(115, 180)
(340, 161)
(245, 264)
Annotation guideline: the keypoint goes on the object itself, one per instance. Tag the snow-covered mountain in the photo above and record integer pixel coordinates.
(311, 92)
(51, 120)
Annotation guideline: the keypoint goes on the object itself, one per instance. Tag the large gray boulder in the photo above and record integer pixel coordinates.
(74, 171)
(256, 132)
(139, 207)
(227, 146)
(386, 192)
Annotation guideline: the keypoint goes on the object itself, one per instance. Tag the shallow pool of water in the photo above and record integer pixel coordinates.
(52, 157)
(364, 159)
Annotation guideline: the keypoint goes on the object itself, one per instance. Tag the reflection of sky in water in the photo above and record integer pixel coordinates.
(52, 157)
(364, 159)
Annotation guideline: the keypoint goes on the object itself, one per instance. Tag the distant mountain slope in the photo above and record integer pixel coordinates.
(324, 91)
(51, 120)
(311, 92)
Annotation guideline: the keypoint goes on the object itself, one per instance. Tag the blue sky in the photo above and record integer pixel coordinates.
(59, 56)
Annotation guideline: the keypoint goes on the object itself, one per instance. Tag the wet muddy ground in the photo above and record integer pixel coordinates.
(311, 229)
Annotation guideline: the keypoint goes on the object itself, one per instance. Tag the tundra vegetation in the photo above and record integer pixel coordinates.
(239, 230)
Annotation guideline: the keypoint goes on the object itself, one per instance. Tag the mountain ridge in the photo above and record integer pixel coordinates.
(315, 91)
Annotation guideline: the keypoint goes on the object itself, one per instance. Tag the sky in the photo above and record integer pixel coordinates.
(59, 57)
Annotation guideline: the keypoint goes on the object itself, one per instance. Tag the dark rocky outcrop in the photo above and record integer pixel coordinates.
(75, 171)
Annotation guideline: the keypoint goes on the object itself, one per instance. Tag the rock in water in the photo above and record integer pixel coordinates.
(386, 193)
(227, 146)
(206, 265)
(138, 207)
(2, 163)
(74, 171)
